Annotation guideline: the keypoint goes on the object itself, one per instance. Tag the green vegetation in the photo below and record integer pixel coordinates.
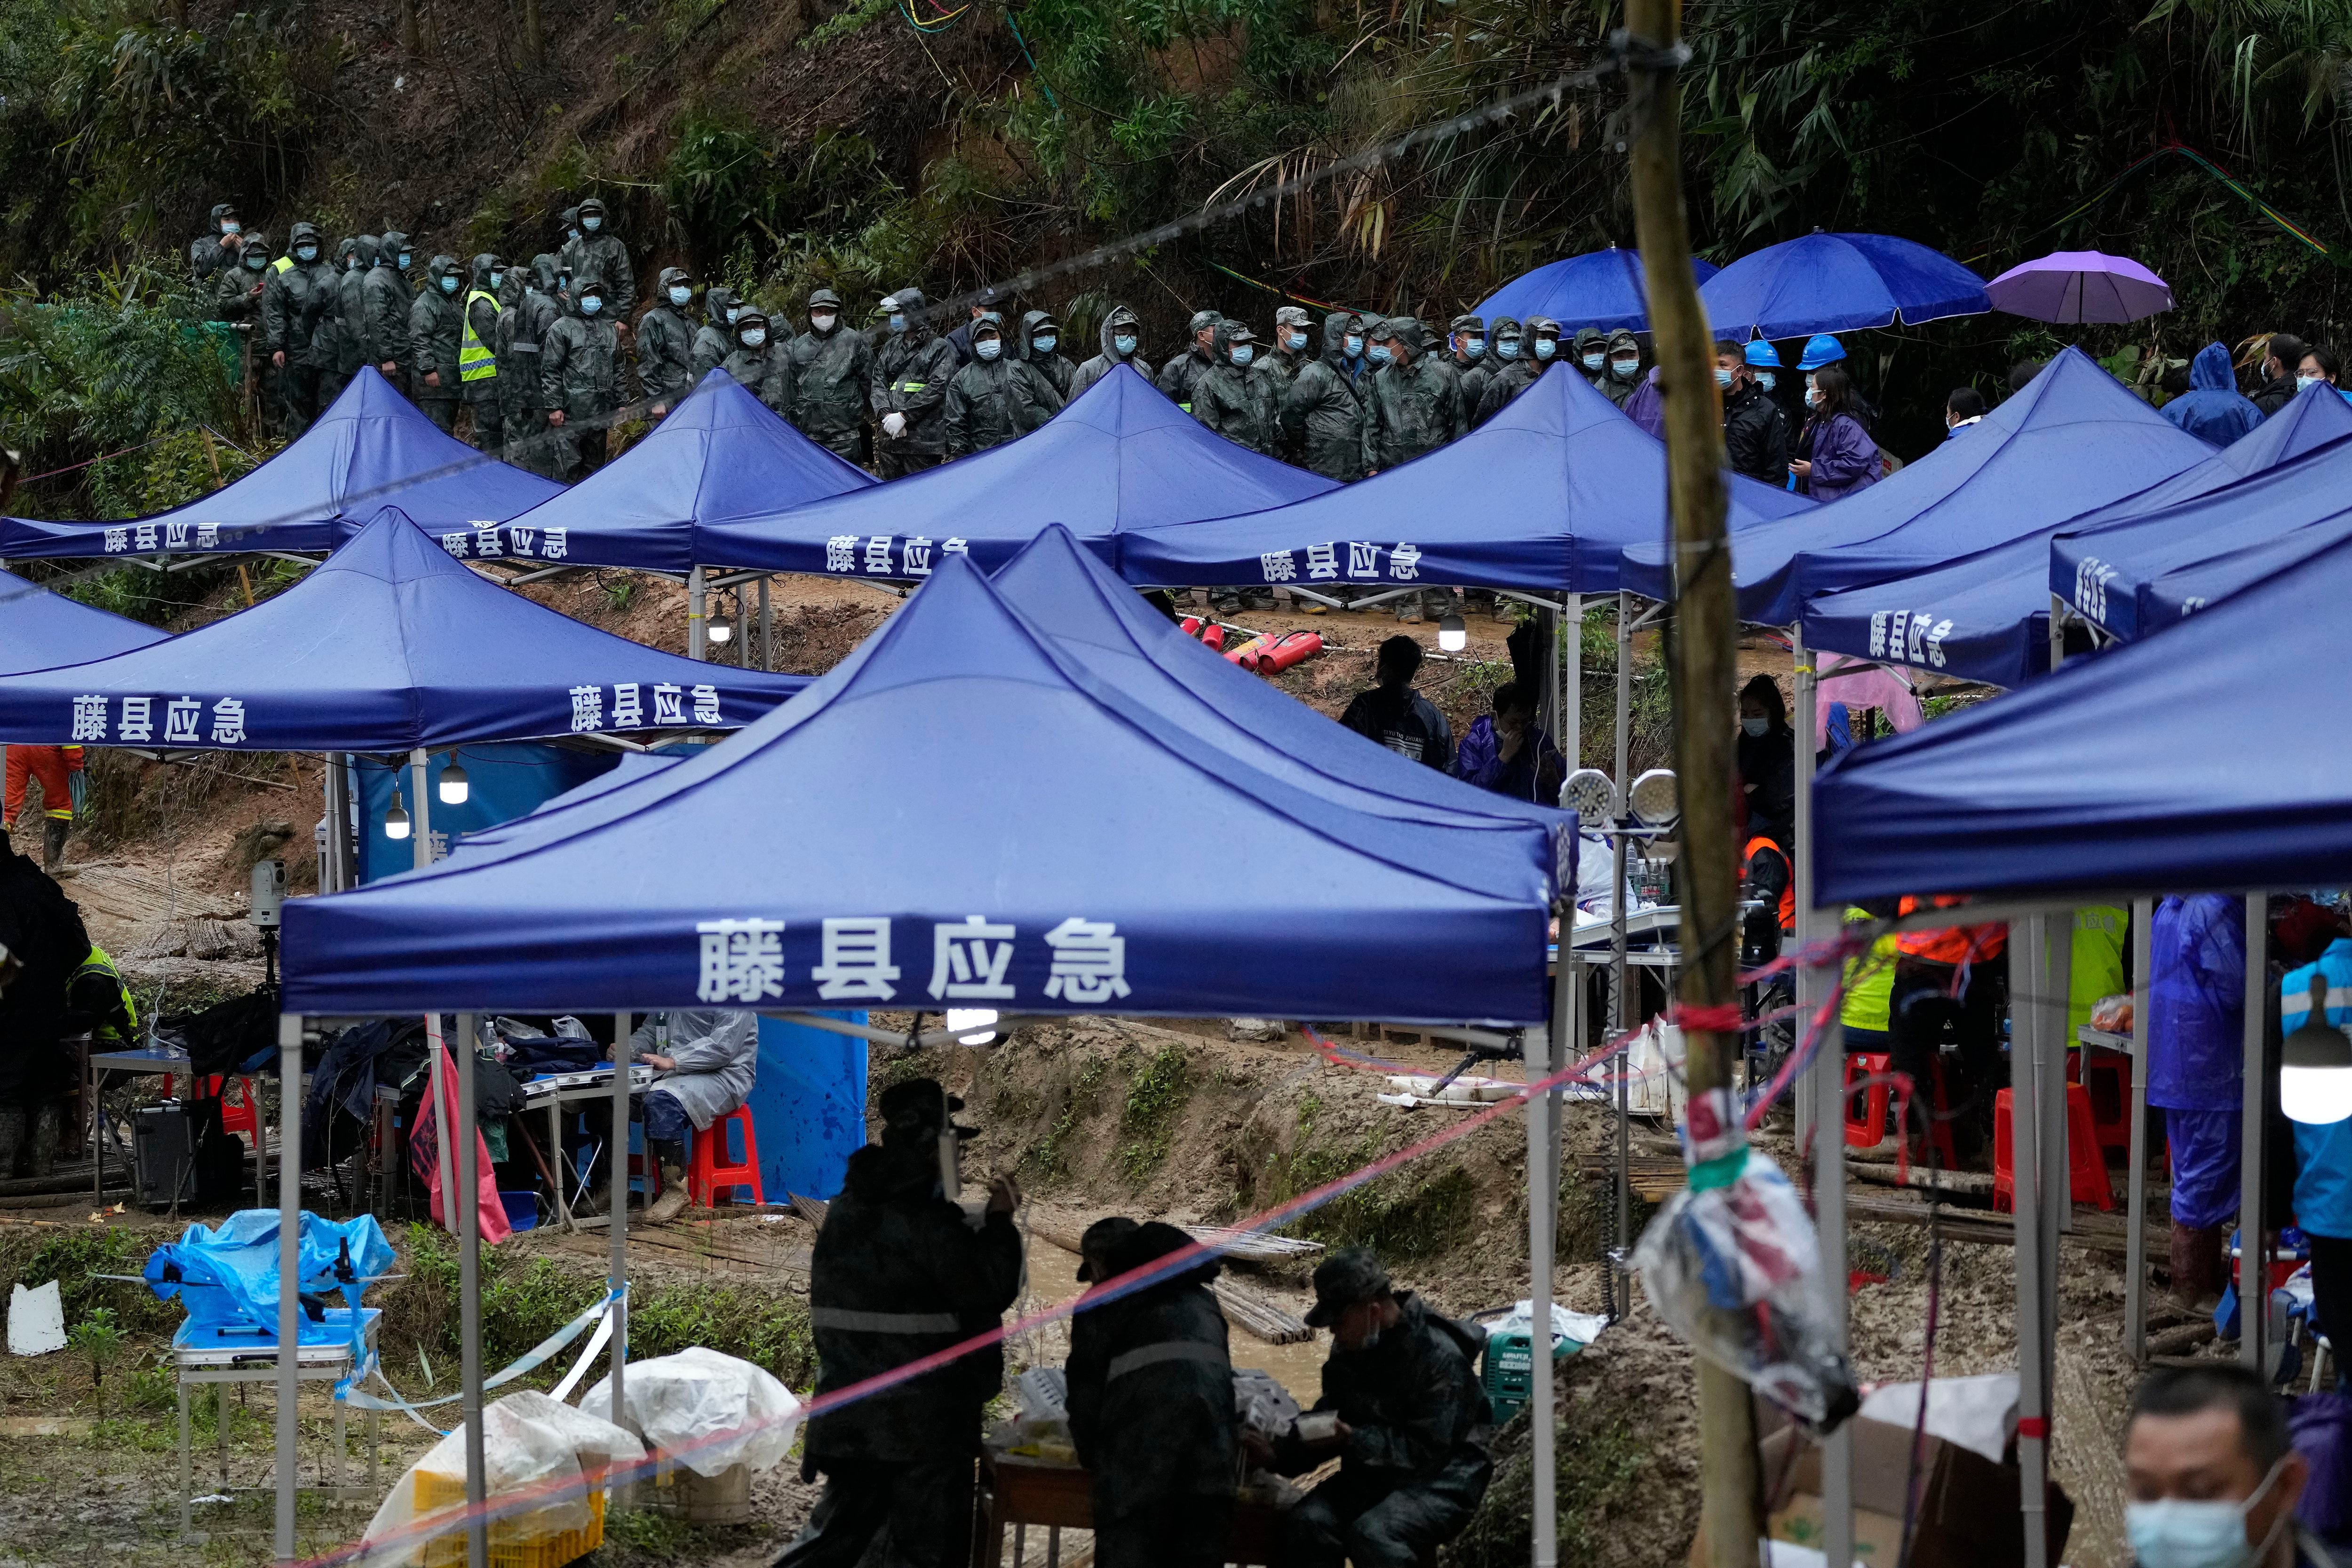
(1048, 1159)
(1601, 1459)
(1155, 1097)
(1416, 1212)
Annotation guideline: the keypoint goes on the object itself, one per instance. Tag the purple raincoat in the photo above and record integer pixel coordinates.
(1647, 405)
(1845, 457)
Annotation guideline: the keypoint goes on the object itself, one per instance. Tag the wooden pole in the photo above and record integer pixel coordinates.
(1701, 672)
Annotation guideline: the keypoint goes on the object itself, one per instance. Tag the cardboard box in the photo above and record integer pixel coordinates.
(1967, 1516)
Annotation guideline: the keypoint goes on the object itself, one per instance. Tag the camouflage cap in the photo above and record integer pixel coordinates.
(1343, 1279)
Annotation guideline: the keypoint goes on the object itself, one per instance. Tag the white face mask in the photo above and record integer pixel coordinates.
(2176, 1533)
(2302, 381)
(822, 321)
(754, 337)
(1767, 380)
(1813, 397)
(987, 348)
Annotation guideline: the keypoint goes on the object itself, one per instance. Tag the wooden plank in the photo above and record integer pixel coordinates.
(1259, 1315)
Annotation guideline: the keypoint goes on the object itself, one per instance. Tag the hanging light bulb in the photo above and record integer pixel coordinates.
(1452, 636)
(2315, 1066)
(723, 631)
(396, 821)
(972, 1025)
(454, 788)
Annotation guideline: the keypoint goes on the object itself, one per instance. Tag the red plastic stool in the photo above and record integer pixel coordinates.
(1869, 1129)
(2110, 1086)
(2086, 1168)
(241, 1117)
(713, 1170)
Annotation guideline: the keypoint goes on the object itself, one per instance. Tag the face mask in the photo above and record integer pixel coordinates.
(679, 296)
(232, 227)
(591, 305)
(823, 323)
(448, 285)
(1295, 341)
(1767, 380)
(1546, 348)
(257, 261)
(733, 311)
(1045, 344)
(1813, 397)
(497, 279)
(2302, 381)
(1722, 377)
(1244, 353)
(1507, 348)
(572, 234)
(1474, 347)
(898, 323)
(755, 336)
(350, 264)
(987, 348)
(592, 224)
(1355, 347)
(1594, 361)
(1379, 354)
(1757, 728)
(2176, 1532)
(1623, 369)
(1123, 343)
(305, 253)
(404, 259)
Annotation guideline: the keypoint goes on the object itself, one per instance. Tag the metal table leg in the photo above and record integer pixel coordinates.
(187, 1467)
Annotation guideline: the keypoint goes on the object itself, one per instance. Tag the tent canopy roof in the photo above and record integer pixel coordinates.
(1544, 497)
(388, 646)
(40, 629)
(1119, 456)
(373, 448)
(998, 864)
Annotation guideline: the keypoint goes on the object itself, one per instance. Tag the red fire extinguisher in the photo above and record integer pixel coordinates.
(1282, 652)
(1189, 625)
(1212, 635)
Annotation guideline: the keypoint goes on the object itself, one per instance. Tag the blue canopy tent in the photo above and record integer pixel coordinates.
(1119, 457)
(2186, 590)
(390, 646)
(1838, 283)
(373, 448)
(1986, 616)
(1542, 498)
(1601, 289)
(2104, 575)
(2074, 440)
(720, 454)
(40, 629)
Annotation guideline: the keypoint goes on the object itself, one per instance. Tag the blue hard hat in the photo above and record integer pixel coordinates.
(1820, 351)
(1761, 352)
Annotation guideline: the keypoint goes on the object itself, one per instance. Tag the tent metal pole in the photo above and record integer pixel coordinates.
(420, 814)
(2143, 914)
(2057, 631)
(767, 630)
(1550, 691)
(742, 634)
(694, 596)
(1809, 1115)
(443, 1153)
(1620, 1007)
(616, 1267)
(1543, 1196)
(2058, 1167)
(331, 864)
(1571, 669)
(466, 1211)
(290, 1270)
(2025, 1125)
(2253, 1253)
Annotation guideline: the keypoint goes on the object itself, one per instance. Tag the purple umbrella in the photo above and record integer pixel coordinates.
(2073, 287)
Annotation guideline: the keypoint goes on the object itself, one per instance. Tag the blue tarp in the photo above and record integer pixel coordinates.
(994, 865)
(226, 1278)
(505, 779)
(1601, 289)
(720, 454)
(1838, 283)
(40, 629)
(371, 450)
(1986, 616)
(389, 645)
(2104, 572)
(2207, 758)
(2074, 440)
(1119, 457)
(1545, 495)
(808, 1104)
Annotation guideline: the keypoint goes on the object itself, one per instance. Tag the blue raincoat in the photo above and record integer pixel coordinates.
(2211, 408)
(2196, 1047)
(2323, 1155)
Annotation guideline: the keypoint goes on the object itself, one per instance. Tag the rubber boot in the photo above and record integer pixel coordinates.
(48, 1128)
(12, 1138)
(671, 1157)
(2198, 1265)
(53, 846)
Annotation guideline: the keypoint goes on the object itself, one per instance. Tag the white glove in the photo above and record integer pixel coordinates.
(894, 425)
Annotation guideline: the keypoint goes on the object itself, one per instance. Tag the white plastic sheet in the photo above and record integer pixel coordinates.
(1575, 1329)
(1978, 1413)
(36, 1320)
(528, 1440)
(706, 1411)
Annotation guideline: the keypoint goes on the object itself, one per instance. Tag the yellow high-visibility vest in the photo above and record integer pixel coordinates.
(475, 360)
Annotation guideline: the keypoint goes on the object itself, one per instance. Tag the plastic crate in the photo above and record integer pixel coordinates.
(522, 1540)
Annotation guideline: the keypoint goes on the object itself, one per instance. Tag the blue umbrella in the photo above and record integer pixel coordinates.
(1601, 289)
(1839, 283)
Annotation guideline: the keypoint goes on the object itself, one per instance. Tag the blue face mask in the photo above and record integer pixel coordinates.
(405, 260)
(1244, 353)
(1722, 377)
(591, 305)
(1594, 361)
(497, 279)
(898, 322)
(1378, 353)
(1123, 343)
(1767, 380)
(305, 253)
(592, 224)
(754, 337)
(987, 348)
(1045, 343)
(2176, 1533)
(1295, 341)
(679, 296)
(257, 261)
(1354, 346)
(733, 311)
(1546, 348)
(1473, 348)
(1507, 348)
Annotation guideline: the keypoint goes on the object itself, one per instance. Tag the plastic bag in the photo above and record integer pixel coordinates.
(528, 1440)
(2112, 1013)
(706, 1411)
(1732, 1265)
(1574, 1330)
(1264, 1405)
